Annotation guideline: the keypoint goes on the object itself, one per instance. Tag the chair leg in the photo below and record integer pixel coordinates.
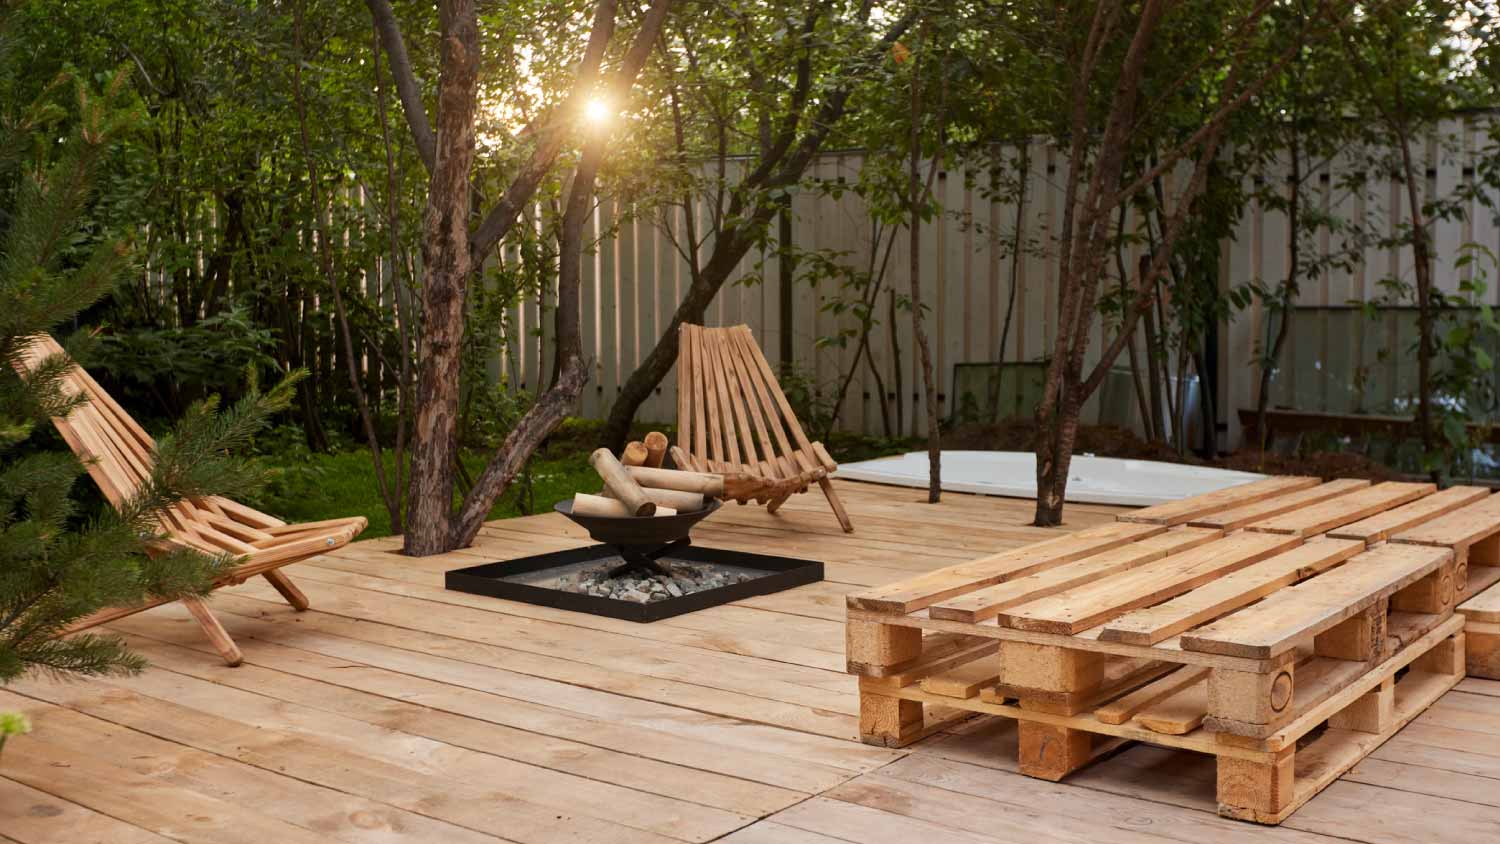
(214, 630)
(836, 504)
(288, 589)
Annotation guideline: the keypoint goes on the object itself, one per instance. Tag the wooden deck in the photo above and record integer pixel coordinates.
(396, 711)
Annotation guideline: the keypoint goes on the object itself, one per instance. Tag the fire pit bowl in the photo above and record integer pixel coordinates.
(639, 530)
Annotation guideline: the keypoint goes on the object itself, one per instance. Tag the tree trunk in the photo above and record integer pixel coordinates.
(446, 265)
(918, 198)
(1272, 357)
(1422, 266)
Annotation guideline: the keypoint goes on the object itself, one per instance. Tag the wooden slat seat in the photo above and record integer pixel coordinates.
(118, 455)
(1275, 625)
(732, 415)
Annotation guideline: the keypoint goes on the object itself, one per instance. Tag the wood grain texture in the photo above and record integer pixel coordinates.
(1343, 509)
(1276, 624)
(1199, 506)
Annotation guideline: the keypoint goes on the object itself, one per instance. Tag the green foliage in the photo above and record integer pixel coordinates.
(59, 564)
(13, 724)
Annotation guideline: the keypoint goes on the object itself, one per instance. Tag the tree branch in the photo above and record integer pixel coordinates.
(407, 86)
(551, 137)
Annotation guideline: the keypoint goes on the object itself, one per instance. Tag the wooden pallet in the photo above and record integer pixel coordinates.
(1288, 640)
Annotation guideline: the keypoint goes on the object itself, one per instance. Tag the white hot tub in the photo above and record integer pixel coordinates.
(1095, 480)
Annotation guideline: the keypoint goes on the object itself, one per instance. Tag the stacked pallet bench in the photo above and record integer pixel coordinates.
(1287, 626)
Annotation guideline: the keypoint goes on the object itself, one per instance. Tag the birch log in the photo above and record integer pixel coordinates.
(682, 502)
(635, 454)
(597, 505)
(656, 448)
(618, 480)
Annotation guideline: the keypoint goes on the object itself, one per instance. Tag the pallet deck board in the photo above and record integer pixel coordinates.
(1086, 606)
(1185, 510)
(1382, 526)
(1484, 607)
(1458, 528)
(989, 601)
(925, 590)
(1278, 623)
(1230, 592)
(1343, 509)
(1265, 508)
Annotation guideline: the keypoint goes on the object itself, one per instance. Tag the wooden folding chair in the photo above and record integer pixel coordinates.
(733, 417)
(118, 455)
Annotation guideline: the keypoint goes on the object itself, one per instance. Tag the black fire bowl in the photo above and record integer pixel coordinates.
(489, 579)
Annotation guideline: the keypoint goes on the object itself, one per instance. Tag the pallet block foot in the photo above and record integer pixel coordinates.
(1482, 654)
(1251, 697)
(1256, 791)
(1436, 592)
(1373, 712)
(873, 649)
(1447, 657)
(888, 721)
(1051, 753)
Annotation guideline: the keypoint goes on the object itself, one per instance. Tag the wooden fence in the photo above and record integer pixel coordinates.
(635, 280)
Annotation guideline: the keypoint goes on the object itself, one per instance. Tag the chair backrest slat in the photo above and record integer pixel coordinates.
(732, 412)
(118, 454)
(761, 410)
(741, 402)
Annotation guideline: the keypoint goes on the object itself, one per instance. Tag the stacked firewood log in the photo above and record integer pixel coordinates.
(636, 484)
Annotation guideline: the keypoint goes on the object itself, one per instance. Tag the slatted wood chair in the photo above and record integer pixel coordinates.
(118, 455)
(732, 415)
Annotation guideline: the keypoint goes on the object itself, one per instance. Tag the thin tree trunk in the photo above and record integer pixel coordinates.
(1024, 169)
(918, 198)
(1271, 359)
(897, 377)
(1422, 265)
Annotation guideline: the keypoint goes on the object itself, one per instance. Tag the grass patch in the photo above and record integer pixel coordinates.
(306, 486)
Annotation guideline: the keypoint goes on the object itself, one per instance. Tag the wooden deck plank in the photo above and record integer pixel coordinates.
(1199, 506)
(314, 808)
(30, 816)
(501, 799)
(372, 680)
(1083, 607)
(1228, 593)
(1343, 509)
(1276, 624)
(1238, 517)
(445, 708)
